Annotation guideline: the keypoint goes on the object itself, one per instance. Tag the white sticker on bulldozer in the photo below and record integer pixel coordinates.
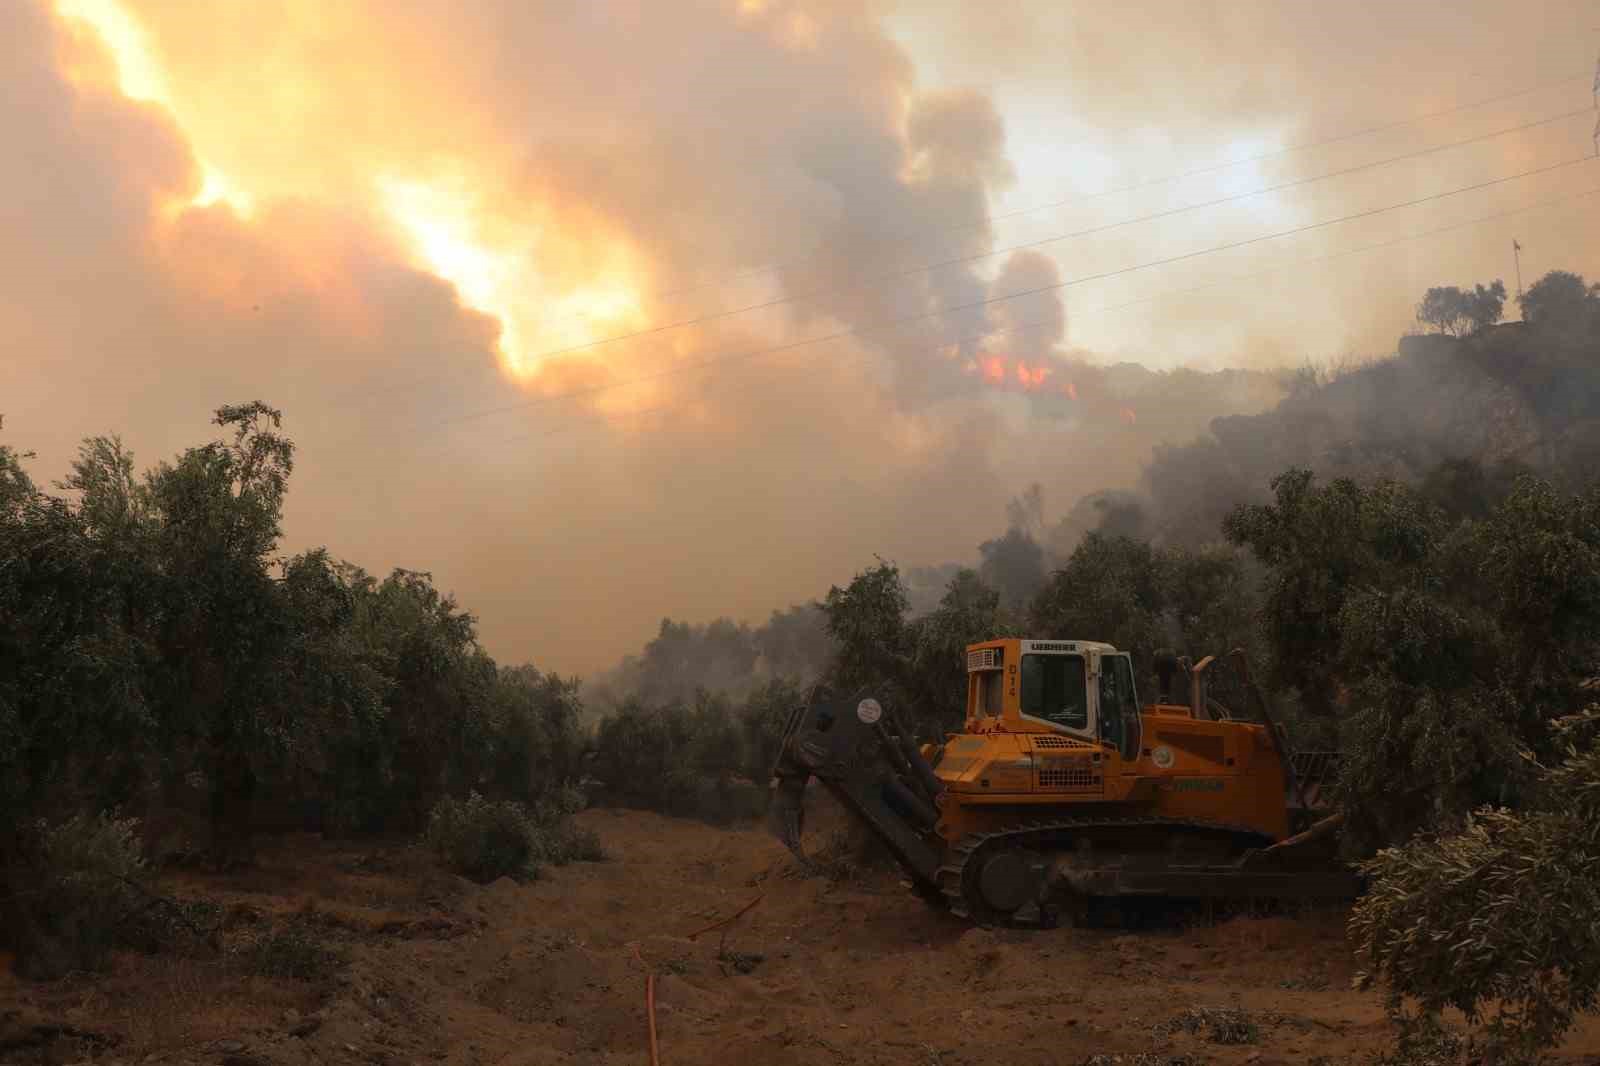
(869, 711)
(1162, 757)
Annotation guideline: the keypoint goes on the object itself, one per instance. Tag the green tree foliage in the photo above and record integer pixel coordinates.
(535, 718)
(432, 737)
(916, 665)
(704, 757)
(1457, 313)
(1440, 649)
(1465, 487)
(15, 484)
(418, 711)
(1109, 589)
(1319, 545)
(69, 692)
(696, 730)
(936, 670)
(333, 680)
(867, 620)
(711, 755)
(156, 653)
(1561, 300)
(110, 499)
(1498, 920)
(640, 754)
(1139, 598)
(218, 633)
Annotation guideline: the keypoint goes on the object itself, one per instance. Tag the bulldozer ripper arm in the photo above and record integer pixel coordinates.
(879, 777)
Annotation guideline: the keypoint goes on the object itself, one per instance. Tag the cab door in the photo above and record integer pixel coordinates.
(1118, 705)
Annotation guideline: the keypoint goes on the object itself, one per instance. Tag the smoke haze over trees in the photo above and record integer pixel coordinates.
(1456, 419)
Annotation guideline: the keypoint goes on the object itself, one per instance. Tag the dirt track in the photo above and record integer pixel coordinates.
(554, 971)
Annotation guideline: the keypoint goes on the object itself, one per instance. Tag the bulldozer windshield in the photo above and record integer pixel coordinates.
(1054, 690)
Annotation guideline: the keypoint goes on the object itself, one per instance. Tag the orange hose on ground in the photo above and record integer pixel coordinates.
(650, 1011)
(733, 917)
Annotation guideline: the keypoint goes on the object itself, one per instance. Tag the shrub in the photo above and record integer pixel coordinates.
(483, 840)
(88, 877)
(1220, 1025)
(293, 951)
(1424, 1042)
(162, 924)
(556, 837)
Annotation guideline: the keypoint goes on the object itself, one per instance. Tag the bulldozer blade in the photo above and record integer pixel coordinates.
(1320, 830)
(1317, 845)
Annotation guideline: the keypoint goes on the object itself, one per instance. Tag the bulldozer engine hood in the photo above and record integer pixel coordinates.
(996, 762)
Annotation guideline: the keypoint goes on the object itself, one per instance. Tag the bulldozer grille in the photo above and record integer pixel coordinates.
(983, 659)
(1065, 775)
(1059, 742)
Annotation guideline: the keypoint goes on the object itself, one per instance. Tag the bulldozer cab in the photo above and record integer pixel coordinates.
(1082, 689)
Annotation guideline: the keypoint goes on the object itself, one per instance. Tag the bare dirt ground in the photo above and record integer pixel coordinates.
(443, 971)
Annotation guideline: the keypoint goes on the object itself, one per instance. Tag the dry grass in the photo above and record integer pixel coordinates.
(1219, 1025)
(285, 927)
(849, 854)
(155, 1006)
(296, 950)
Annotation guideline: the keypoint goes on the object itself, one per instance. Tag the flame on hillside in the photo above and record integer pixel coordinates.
(1006, 372)
(1046, 380)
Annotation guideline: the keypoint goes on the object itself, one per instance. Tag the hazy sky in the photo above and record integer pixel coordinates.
(604, 311)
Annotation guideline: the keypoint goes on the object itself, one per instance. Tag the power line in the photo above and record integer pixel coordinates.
(921, 316)
(1595, 90)
(988, 219)
(1084, 279)
(906, 237)
(1103, 228)
(1045, 323)
(1277, 268)
(1233, 278)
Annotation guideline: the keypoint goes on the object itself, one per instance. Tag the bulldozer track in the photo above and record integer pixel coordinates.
(955, 878)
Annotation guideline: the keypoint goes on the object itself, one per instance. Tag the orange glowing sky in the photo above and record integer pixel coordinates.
(321, 107)
(511, 259)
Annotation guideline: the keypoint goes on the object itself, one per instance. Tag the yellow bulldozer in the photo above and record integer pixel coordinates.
(1063, 797)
